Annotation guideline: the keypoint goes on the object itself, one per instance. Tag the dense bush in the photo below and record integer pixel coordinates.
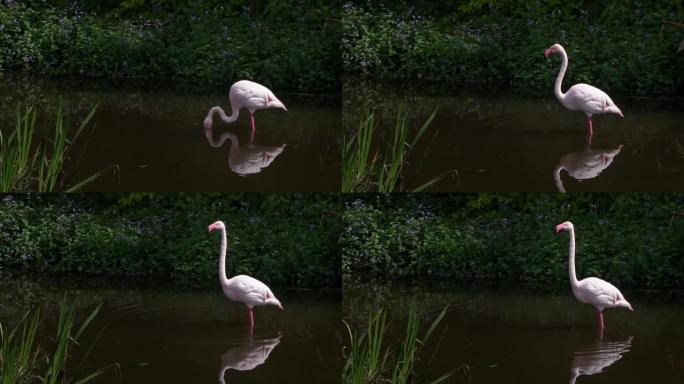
(620, 46)
(217, 42)
(625, 238)
(281, 239)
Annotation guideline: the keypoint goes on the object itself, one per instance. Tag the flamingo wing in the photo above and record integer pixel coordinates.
(249, 94)
(591, 100)
(600, 293)
(252, 291)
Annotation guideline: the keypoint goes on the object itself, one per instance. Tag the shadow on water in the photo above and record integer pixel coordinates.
(172, 335)
(523, 335)
(156, 138)
(502, 142)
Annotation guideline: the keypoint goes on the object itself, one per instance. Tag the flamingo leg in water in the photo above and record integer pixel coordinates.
(600, 321)
(590, 130)
(250, 317)
(251, 137)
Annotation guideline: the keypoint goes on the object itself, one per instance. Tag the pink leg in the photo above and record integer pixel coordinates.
(600, 321)
(250, 317)
(251, 116)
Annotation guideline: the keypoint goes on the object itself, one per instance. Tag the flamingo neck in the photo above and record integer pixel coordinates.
(234, 142)
(557, 178)
(222, 260)
(228, 119)
(559, 80)
(571, 260)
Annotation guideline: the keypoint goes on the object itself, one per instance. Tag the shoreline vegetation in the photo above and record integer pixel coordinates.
(27, 357)
(287, 240)
(629, 239)
(623, 47)
(291, 47)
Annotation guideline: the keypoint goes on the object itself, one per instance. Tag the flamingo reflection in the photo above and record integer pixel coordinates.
(247, 159)
(593, 359)
(584, 165)
(247, 356)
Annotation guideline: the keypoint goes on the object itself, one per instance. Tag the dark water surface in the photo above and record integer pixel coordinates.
(500, 142)
(171, 336)
(514, 336)
(155, 137)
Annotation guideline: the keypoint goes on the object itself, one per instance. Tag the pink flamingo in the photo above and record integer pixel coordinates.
(245, 289)
(599, 293)
(245, 94)
(581, 97)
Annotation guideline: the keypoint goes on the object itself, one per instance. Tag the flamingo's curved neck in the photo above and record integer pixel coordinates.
(234, 142)
(571, 260)
(557, 178)
(222, 261)
(564, 66)
(228, 119)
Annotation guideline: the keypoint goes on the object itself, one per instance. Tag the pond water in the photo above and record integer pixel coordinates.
(168, 335)
(156, 138)
(521, 336)
(502, 142)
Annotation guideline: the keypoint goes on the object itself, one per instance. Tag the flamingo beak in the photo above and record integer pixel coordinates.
(547, 52)
(559, 228)
(210, 228)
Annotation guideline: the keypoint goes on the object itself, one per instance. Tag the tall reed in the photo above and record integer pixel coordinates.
(24, 168)
(23, 359)
(364, 170)
(371, 358)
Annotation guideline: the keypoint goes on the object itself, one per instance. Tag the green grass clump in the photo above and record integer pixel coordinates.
(371, 358)
(24, 359)
(24, 168)
(365, 171)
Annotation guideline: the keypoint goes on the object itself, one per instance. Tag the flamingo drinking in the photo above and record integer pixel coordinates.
(581, 97)
(245, 94)
(599, 293)
(245, 289)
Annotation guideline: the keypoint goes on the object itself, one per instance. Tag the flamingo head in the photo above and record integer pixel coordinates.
(566, 226)
(217, 225)
(273, 102)
(552, 49)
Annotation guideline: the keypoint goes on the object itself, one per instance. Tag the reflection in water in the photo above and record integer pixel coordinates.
(584, 165)
(249, 158)
(598, 356)
(247, 356)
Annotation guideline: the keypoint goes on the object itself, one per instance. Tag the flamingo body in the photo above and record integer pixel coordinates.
(249, 291)
(581, 97)
(245, 289)
(590, 100)
(245, 94)
(599, 293)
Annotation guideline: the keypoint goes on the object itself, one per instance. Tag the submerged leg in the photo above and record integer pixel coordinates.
(251, 116)
(250, 318)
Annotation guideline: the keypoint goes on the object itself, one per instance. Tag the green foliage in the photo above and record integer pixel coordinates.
(283, 239)
(371, 358)
(24, 359)
(360, 168)
(627, 239)
(287, 46)
(25, 168)
(620, 46)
